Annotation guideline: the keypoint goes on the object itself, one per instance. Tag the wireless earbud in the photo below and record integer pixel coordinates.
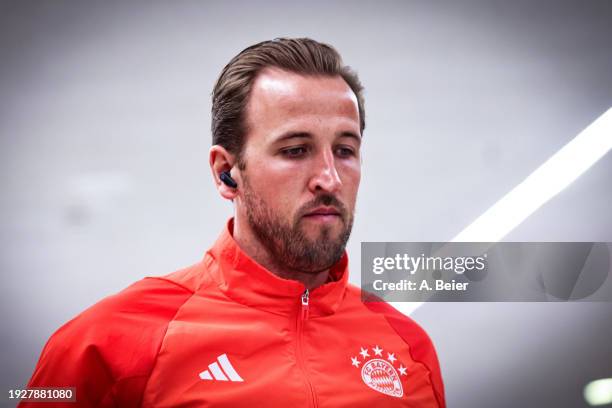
(227, 179)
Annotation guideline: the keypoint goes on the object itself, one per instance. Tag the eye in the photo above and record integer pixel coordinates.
(343, 151)
(294, 152)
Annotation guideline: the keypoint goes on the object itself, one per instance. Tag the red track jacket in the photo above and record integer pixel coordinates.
(226, 332)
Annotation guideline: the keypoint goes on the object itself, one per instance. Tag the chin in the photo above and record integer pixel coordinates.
(323, 232)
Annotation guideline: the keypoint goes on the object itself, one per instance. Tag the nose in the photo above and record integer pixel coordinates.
(325, 177)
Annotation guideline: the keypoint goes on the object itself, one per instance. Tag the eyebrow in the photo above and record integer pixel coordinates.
(293, 135)
(307, 135)
(351, 135)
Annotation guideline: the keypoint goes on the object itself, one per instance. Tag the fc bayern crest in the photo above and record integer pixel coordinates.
(379, 373)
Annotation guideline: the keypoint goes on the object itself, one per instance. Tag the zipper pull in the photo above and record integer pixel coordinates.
(305, 304)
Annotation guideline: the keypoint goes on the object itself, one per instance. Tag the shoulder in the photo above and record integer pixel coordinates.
(421, 347)
(147, 302)
(109, 350)
(410, 331)
(139, 312)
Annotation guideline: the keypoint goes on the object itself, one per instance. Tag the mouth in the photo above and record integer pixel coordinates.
(323, 214)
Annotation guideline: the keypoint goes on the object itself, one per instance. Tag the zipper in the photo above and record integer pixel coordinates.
(302, 317)
(305, 304)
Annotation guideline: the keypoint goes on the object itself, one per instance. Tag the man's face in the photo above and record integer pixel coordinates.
(303, 167)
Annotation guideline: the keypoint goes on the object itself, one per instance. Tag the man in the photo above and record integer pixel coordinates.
(267, 318)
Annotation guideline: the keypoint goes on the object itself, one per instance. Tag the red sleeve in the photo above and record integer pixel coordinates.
(108, 351)
(421, 347)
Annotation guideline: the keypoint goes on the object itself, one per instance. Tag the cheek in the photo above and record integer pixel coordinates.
(352, 177)
(278, 187)
(277, 175)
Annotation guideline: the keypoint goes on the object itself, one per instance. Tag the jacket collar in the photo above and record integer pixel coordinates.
(242, 279)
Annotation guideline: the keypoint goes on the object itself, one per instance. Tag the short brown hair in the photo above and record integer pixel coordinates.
(232, 89)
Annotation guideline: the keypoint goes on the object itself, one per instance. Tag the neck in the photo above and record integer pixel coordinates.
(246, 240)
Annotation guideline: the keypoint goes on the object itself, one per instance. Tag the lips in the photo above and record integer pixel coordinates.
(323, 211)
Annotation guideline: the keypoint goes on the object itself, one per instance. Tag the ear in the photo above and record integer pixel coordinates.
(221, 160)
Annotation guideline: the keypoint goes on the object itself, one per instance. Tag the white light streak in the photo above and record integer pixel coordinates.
(544, 183)
(539, 187)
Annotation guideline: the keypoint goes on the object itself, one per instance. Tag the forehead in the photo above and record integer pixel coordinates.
(280, 98)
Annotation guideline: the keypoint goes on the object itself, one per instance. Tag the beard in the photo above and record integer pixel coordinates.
(287, 242)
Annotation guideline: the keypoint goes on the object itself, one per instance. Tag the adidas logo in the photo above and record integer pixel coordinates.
(221, 370)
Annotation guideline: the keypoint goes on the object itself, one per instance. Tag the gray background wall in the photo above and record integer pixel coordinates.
(104, 118)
